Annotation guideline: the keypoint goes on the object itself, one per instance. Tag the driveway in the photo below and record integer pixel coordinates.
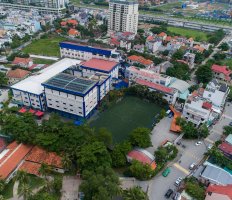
(70, 188)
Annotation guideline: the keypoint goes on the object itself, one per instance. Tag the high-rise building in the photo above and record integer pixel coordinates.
(123, 16)
(49, 6)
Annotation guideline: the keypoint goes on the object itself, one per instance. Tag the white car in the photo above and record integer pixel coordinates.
(192, 166)
(198, 143)
(209, 146)
(178, 181)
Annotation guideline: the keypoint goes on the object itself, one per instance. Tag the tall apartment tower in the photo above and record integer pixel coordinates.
(47, 6)
(123, 16)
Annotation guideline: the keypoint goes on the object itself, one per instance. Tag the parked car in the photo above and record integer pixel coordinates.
(177, 196)
(178, 181)
(192, 166)
(168, 193)
(166, 172)
(209, 146)
(198, 143)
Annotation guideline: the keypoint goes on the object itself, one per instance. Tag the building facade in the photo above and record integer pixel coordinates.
(85, 52)
(47, 6)
(123, 16)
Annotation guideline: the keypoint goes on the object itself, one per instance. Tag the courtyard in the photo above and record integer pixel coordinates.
(126, 115)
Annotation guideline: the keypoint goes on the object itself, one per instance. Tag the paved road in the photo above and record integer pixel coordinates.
(192, 153)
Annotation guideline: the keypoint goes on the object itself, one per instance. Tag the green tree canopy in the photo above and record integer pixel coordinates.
(140, 137)
(3, 79)
(204, 74)
(224, 46)
(102, 183)
(135, 193)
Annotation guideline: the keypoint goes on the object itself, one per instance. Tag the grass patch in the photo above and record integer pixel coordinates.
(125, 116)
(48, 46)
(228, 62)
(195, 34)
(43, 61)
(8, 191)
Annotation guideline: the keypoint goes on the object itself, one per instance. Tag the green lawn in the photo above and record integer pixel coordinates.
(8, 191)
(43, 61)
(48, 46)
(125, 116)
(196, 35)
(228, 62)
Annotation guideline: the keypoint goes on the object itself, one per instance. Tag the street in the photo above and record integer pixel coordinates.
(159, 185)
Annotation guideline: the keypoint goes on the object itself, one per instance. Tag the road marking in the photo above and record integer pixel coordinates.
(191, 155)
(209, 140)
(181, 168)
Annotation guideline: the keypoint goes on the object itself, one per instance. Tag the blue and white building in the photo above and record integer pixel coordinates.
(85, 52)
(30, 92)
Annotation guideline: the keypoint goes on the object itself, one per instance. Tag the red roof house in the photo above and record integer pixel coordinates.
(219, 192)
(23, 62)
(73, 32)
(226, 148)
(139, 59)
(207, 105)
(221, 72)
(142, 156)
(99, 65)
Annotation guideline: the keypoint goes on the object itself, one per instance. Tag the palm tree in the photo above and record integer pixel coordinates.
(22, 177)
(67, 163)
(25, 191)
(135, 193)
(43, 170)
(2, 185)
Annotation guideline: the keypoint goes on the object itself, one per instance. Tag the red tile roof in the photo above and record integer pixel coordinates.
(18, 61)
(114, 41)
(219, 189)
(63, 23)
(16, 153)
(39, 155)
(168, 38)
(141, 157)
(207, 105)
(99, 64)
(225, 147)
(73, 32)
(30, 167)
(150, 38)
(17, 73)
(140, 59)
(199, 48)
(162, 34)
(72, 21)
(222, 69)
(155, 86)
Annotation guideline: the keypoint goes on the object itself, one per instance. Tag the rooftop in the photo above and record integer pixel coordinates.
(219, 189)
(11, 157)
(33, 84)
(17, 73)
(225, 147)
(140, 59)
(99, 64)
(70, 83)
(229, 139)
(155, 86)
(222, 69)
(19, 60)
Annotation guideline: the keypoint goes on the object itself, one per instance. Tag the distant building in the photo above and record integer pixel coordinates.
(16, 75)
(216, 192)
(139, 60)
(85, 52)
(226, 148)
(139, 48)
(73, 33)
(190, 59)
(23, 62)
(47, 6)
(222, 73)
(123, 16)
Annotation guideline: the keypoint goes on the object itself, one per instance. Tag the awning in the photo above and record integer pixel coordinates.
(39, 113)
(23, 110)
(32, 111)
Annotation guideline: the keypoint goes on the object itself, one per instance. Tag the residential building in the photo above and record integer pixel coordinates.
(92, 66)
(226, 149)
(4, 69)
(142, 156)
(139, 60)
(16, 75)
(30, 92)
(133, 73)
(181, 86)
(73, 33)
(123, 16)
(215, 175)
(11, 159)
(153, 44)
(162, 67)
(3, 95)
(86, 52)
(23, 62)
(214, 192)
(216, 93)
(190, 59)
(120, 43)
(38, 156)
(75, 96)
(222, 73)
(139, 48)
(46, 6)
(228, 139)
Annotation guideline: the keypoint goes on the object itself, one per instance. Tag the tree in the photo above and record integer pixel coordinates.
(219, 56)
(141, 171)
(3, 79)
(178, 55)
(224, 46)
(227, 130)
(119, 152)
(93, 155)
(135, 193)
(67, 162)
(102, 183)
(140, 137)
(203, 131)
(194, 189)
(165, 53)
(204, 74)
(22, 177)
(179, 70)
(199, 57)
(25, 191)
(161, 155)
(105, 136)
